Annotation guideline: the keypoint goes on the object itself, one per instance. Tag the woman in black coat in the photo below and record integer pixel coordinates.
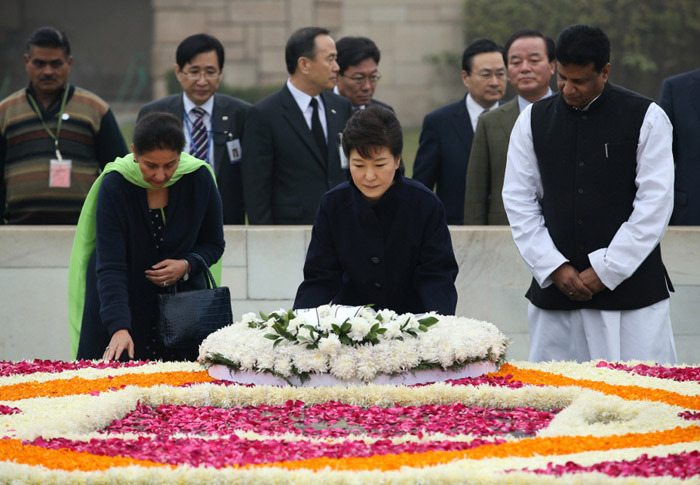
(140, 225)
(379, 238)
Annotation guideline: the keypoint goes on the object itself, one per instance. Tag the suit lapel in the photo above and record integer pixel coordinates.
(333, 123)
(509, 116)
(218, 125)
(463, 125)
(694, 91)
(295, 118)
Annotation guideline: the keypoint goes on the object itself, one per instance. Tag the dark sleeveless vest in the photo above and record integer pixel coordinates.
(587, 161)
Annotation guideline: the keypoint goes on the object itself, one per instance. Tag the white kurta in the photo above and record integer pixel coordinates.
(633, 242)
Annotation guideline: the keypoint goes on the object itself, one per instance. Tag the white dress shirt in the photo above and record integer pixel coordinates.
(304, 102)
(475, 110)
(634, 240)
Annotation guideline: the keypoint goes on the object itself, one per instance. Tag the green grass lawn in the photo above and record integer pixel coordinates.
(410, 144)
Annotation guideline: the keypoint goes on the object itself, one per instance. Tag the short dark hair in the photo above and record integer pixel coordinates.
(302, 43)
(196, 44)
(551, 48)
(371, 128)
(48, 37)
(582, 45)
(353, 50)
(480, 46)
(158, 131)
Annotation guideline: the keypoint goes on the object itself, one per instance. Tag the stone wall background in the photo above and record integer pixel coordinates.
(108, 37)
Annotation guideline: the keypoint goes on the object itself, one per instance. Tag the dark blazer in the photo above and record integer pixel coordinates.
(680, 98)
(379, 103)
(487, 166)
(227, 122)
(443, 154)
(396, 254)
(285, 173)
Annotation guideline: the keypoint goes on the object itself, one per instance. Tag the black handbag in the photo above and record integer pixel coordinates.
(188, 317)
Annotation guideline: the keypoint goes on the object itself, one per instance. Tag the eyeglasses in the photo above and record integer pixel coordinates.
(360, 80)
(195, 75)
(500, 75)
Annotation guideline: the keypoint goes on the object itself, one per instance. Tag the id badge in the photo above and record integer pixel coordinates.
(234, 150)
(59, 175)
(343, 159)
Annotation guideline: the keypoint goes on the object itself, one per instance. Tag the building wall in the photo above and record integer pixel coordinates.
(254, 33)
(262, 266)
(110, 43)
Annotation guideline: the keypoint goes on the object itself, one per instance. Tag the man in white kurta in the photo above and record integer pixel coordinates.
(587, 299)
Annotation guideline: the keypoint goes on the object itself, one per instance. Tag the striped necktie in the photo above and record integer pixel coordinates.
(200, 137)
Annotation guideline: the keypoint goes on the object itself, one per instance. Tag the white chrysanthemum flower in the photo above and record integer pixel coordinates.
(247, 359)
(360, 328)
(393, 330)
(325, 324)
(412, 321)
(343, 364)
(304, 333)
(283, 365)
(329, 345)
(295, 324)
(368, 313)
(249, 317)
(387, 315)
(366, 363)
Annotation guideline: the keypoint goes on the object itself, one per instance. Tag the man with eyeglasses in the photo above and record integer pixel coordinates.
(213, 123)
(446, 137)
(530, 63)
(54, 138)
(358, 60)
(292, 151)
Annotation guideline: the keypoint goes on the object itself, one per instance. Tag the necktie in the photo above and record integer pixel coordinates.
(200, 137)
(317, 129)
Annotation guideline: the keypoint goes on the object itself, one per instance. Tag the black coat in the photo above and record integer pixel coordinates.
(396, 254)
(118, 295)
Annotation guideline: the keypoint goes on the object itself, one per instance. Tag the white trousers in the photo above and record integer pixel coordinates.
(583, 335)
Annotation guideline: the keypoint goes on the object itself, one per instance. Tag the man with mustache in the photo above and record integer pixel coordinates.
(588, 191)
(446, 138)
(54, 138)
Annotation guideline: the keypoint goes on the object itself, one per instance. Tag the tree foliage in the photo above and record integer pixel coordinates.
(651, 39)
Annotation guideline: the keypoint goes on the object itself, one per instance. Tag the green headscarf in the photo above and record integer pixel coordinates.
(85, 234)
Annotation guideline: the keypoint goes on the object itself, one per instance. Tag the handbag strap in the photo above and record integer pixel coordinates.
(210, 279)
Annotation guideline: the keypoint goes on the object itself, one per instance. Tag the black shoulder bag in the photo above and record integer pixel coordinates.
(188, 317)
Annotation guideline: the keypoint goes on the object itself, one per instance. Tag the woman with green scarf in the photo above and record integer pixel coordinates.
(142, 220)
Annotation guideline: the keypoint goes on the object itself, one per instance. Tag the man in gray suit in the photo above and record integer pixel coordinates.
(291, 138)
(213, 123)
(530, 63)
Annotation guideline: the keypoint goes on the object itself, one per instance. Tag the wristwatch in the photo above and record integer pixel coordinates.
(186, 276)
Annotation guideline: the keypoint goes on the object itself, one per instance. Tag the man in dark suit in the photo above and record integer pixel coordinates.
(291, 137)
(530, 63)
(213, 123)
(680, 98)
(446, 137)
(358, 60)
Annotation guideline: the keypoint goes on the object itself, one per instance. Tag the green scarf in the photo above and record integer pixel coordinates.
(84, 242)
